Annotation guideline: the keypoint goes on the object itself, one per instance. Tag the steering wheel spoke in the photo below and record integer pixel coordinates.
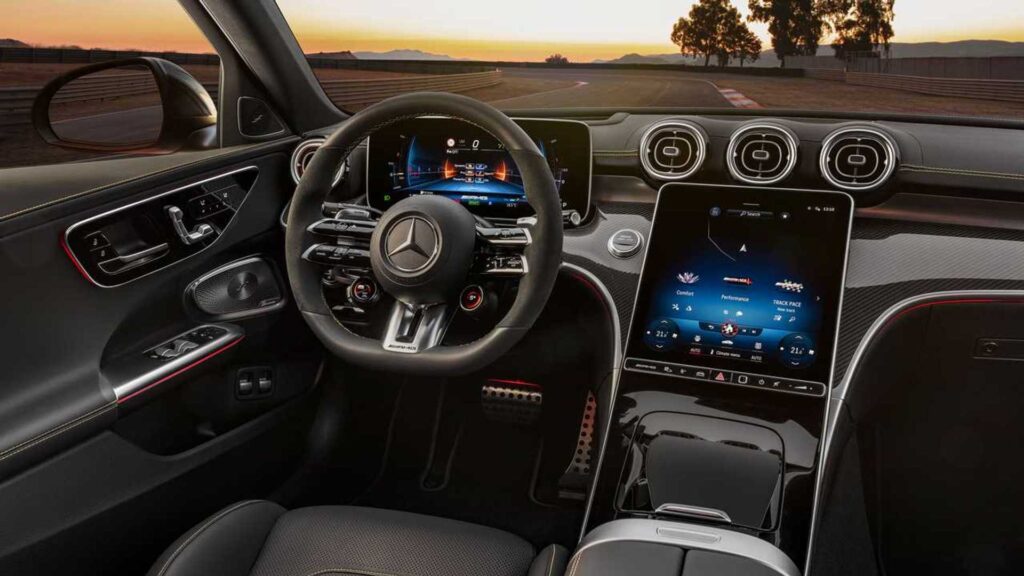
(349, 228)
(502, 265)
(518, 236)
(350, 257)
(501, 251)
(344, 239)
(414, 329)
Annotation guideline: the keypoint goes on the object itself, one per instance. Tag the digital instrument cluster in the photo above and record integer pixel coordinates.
(742, 286)
(452, 158)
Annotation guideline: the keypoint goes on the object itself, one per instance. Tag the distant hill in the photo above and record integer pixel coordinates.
(343, 55)
(635, 58)
(403, 54)
(959, 49)
(12, 43)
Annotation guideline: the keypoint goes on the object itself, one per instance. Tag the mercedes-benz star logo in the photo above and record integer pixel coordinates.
(412, 244)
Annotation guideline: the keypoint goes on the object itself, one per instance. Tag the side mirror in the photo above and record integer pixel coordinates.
(146, 105)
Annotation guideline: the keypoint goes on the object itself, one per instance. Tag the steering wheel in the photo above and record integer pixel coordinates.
(423, 248)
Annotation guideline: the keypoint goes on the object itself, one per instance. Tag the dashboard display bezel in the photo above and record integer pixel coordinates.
(683, 189)
(584, 213)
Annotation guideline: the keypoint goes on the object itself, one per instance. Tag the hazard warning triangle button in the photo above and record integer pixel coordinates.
(720, 377)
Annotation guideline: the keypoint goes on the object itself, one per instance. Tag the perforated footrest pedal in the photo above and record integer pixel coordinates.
(575, 479)
(512, 401)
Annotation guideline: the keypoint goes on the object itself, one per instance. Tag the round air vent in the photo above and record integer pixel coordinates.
(858, 159)
(302, 156)
(761, 154)
(673, 150)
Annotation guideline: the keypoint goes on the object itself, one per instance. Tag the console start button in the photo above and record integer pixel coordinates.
(625, 243)
(472, 298)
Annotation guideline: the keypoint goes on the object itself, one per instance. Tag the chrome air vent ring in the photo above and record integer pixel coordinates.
(762, 154)
(858, 159)
(673, 150)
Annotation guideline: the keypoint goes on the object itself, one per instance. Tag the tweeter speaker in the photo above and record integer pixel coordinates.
(256, 119)
(243, 288)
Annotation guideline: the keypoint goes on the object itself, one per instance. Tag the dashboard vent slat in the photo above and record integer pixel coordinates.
(858, 159)
(673, 150)
(761, 154)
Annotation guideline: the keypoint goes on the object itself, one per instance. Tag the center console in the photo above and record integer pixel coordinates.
(659, 548)
(721, 403)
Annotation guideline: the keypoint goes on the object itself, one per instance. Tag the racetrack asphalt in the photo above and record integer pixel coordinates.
(615, 88)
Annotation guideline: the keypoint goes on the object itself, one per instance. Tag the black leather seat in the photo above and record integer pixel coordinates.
(261, 538)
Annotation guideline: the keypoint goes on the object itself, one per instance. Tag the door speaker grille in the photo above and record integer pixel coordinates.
(244, 288)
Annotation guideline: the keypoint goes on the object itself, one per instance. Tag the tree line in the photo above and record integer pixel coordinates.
(715, 28)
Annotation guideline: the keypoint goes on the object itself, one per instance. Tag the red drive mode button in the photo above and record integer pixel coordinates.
(472, 298)
(363, 290)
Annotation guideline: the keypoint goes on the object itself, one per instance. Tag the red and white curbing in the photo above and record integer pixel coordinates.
(737, 99)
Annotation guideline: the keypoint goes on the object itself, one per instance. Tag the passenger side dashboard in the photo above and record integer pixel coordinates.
(933, 158)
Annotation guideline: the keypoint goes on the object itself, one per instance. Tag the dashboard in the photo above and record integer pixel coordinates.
(455, 159)
(934, 199)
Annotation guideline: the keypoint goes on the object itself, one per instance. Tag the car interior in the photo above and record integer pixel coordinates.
(650, 340)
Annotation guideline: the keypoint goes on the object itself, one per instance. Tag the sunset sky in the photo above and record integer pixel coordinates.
(514, 30)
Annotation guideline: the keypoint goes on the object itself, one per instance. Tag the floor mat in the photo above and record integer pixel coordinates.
(445, 458)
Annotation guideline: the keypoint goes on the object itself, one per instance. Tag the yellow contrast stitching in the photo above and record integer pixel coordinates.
(961, 172)
(54, 432)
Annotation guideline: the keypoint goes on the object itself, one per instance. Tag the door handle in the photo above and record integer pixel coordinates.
(126, 262)
(201, 232)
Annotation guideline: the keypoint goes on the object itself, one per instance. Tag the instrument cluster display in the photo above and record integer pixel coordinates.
(744, 284)
(452, 158)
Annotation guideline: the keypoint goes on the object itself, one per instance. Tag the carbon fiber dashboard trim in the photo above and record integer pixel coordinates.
(864, 305)
(892, 260)
(585, 247)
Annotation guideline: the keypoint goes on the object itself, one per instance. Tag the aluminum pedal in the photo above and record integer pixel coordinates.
(511, 401)
(575, 479)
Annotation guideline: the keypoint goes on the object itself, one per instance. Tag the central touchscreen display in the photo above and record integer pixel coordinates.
(455, 159)
(742, 286)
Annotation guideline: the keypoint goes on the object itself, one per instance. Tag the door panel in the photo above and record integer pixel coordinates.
(126, 504)
(185, 425)
(34, 195)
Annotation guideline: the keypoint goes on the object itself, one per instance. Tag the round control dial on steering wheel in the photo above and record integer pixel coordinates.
(423, 249)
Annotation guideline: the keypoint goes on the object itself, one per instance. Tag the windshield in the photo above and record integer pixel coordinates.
(928, 57)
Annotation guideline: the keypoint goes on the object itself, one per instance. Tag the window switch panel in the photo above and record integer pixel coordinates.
(254, 382)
